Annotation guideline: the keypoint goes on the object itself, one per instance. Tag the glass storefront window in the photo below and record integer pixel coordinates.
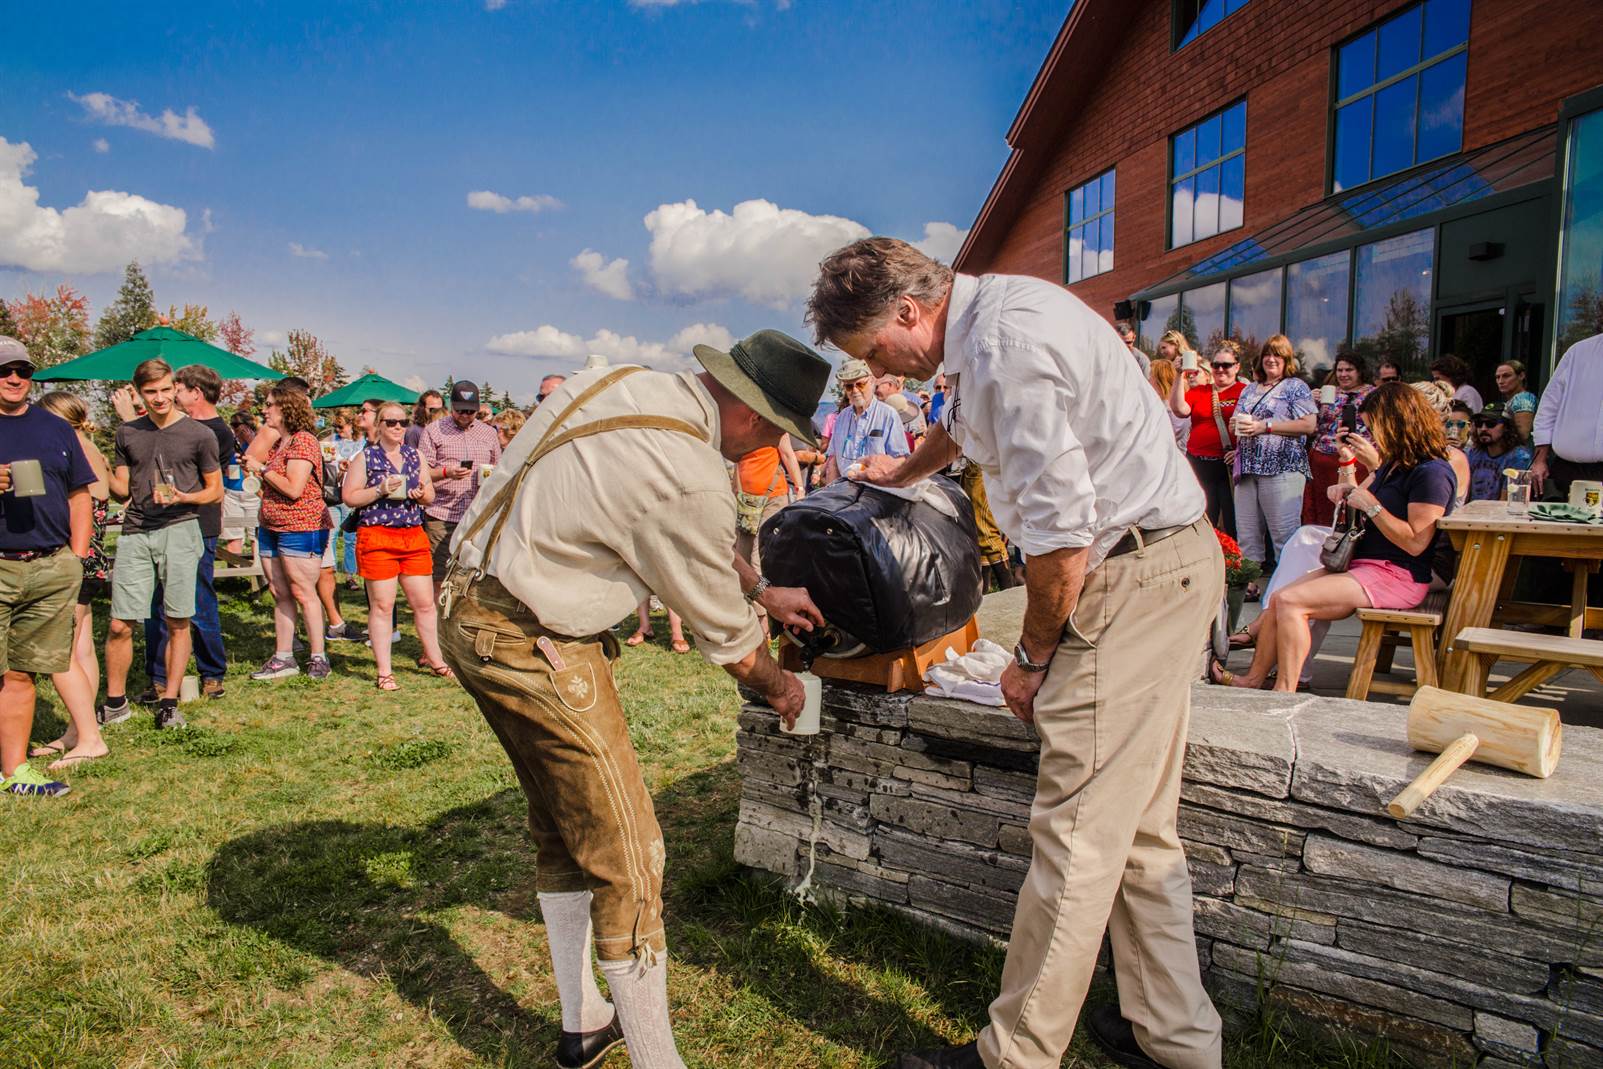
(1207, 176)
(1580, 295)
(1316, 310)
(1202, 315)
(1163, 313)
(1391, 315)
(1255, 308)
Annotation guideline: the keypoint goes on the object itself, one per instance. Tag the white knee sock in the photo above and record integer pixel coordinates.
(567, 933)
(640, 991)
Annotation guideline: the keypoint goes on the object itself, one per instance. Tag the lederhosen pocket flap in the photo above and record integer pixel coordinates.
(576, 687)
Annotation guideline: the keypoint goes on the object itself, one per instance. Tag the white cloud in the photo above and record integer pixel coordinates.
(273, 339)
(485, 201)
(415, 383)
(941, 241)
(102, 146)
(759, 251)
(102, 233)
(551, 343)
(297, 249)
(610, 278)
(189, 127)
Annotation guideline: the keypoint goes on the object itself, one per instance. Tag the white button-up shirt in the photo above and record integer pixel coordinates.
(1042, 395)
(1570, 416)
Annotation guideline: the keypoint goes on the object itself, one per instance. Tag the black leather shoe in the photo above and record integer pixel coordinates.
(582, 1050)
(965, 1057)
(1117, 1039)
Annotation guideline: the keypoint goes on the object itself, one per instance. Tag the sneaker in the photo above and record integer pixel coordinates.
(150, 695)
(277, 668)
(30, 784)
(211, 688)
(299, 645)
(346, 632)
(318, 668)
(113, 714)
(170, 718)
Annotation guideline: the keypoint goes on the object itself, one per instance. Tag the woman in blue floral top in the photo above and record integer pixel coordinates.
(1274, 416)
(1350, 379)
(1519, 402)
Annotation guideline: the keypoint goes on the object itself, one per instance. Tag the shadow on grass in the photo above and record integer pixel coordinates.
(359, 896)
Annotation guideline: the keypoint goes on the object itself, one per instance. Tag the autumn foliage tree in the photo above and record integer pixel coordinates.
(54, 328)
(307, 357)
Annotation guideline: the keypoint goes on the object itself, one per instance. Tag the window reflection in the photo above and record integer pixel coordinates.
(1580, 304)
(1202, 316)
(1400, 93)
(1316, 310)
(1391, 314)
(1255, 308)
(1207, 176)
(1193, 18)
(1089, 248)
(1163, 314)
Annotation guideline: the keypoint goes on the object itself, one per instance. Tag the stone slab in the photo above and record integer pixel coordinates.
(1244, 742)
(1509, 1039)
(1504, 971)
(991, 910)
(768, 849)
(1231, 922)
(952, 861)
(982, 724)
(936, 820)
(1236, 833)
(1376, 832)
(1354, 988)
(1404, 872)
(1554, 867)
(1426, 1044)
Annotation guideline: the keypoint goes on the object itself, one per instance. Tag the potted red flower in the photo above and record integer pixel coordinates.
(1239, 571)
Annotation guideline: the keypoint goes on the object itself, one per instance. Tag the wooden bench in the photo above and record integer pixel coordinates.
(1551, 655)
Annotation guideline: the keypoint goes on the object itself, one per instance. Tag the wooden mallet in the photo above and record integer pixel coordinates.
(1463, 728)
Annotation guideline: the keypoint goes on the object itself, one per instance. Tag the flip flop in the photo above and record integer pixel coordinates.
(1225, 678)
(47, 749)
(73, 759)
(1244, 633)
(638, 637)
(681, 646)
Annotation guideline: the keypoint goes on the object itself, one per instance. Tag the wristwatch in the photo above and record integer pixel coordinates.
(757, 591)
(1372, 511)
(1022, 659)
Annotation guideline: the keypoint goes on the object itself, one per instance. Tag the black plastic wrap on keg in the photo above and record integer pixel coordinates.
(888, 572)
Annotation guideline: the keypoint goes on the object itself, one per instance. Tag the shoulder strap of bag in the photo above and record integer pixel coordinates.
(1219, 421)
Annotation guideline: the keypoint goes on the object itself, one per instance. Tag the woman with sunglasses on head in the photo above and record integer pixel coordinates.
(1211, 406)
(1350, 380)
(388, 484)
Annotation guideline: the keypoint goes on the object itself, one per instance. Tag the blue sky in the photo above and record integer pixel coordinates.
(323, 156)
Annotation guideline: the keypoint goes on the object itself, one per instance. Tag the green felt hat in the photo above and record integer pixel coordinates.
(778, 377)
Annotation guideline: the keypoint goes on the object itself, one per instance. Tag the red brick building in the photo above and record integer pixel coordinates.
(1402, 178)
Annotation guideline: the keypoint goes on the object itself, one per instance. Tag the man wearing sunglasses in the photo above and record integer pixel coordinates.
(866, 427)
(1494, 448)
(41, 518)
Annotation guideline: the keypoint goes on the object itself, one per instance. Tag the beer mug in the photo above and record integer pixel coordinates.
(1188, 361)
(1327, 395)
(27, 478)
(1587, 495)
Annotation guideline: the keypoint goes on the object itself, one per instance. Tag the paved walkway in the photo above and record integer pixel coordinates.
(1577, 694)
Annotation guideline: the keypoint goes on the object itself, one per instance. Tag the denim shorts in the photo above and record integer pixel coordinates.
(291, 543)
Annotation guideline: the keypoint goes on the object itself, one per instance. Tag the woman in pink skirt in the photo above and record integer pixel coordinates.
(1413, 486)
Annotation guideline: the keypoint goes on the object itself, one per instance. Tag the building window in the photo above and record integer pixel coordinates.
(1193, 18)
(1162, 315)
(1580, 308)
(1202, 316)
(1316, 310)
(1392, 300)
(1206, 176)
(1400, 93)
(1090, 237)
(1255, 309)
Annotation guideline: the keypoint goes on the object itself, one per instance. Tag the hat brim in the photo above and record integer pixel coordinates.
(721, 366)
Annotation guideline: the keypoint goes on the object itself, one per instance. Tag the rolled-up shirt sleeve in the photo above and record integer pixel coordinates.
(1019, 401)
(683, 551)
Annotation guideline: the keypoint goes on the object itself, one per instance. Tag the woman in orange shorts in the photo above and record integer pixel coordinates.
(388, 486)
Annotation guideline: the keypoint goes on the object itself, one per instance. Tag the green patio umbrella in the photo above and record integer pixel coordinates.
(367, 388)
(117, 363)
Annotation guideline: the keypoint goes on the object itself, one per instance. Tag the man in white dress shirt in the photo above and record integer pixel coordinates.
(1123, 576)
(1568, 429)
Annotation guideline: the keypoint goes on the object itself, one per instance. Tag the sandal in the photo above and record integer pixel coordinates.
(49, 749)
(1249, 640)
(386, 682)
(1224, 678)
(70, 760)
(442, 670)
(681, 646)
(638, 637)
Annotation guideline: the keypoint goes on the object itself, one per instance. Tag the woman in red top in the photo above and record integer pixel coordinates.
(294, 530)
(1210, 444)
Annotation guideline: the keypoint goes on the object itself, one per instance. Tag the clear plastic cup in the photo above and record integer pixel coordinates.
(807, 720)
(1519, 493)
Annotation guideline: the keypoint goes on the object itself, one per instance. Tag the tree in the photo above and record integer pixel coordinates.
(236, 337)
(133, 310)
(53, 328)
(307, 357)
(8, 326)
(1402, 338)
(1583, 315)
(192, 320)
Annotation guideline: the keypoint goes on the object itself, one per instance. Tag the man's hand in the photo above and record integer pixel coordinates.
(787, 698)
(1539, 474)
(878, 469)
(791, 606)
(1019, 689)
(5, 478)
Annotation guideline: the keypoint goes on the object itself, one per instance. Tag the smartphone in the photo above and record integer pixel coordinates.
(1349, 417)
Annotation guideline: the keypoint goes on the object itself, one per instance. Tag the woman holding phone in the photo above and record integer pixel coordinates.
(1339, 401)
(388, 485)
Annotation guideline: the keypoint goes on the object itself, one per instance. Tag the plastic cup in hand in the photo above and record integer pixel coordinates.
(395, 487)
(27, 478)
(233, 472)
(485, 470)
(1327, 395)
(1519, 493)
(812, 706)
(189, 689)
(251, 485)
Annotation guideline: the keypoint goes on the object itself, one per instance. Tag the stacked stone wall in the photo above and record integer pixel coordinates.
(1471, 935)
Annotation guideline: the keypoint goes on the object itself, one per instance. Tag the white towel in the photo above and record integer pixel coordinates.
(923, 490)
(972, 677)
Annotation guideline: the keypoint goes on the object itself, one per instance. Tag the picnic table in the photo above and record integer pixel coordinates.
(1490, 542)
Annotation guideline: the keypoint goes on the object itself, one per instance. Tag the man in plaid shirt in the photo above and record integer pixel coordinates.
(455, 451)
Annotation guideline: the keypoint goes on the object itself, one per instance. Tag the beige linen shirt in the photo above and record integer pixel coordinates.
(602, 522)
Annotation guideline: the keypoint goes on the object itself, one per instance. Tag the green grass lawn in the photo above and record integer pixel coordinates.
(328, 875)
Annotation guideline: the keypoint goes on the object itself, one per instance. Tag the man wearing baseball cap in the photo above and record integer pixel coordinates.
(617, 489)
(866, 427)
(1494, 448)
(455, 450)
(44, 534)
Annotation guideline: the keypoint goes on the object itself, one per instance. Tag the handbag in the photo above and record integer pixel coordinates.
(749, 508)
(1336, 555)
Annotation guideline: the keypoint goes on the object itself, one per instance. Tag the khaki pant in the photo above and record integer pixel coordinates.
(36, 599)
(439, 533)
(1112, 717)
(564, 730)
(993, 548)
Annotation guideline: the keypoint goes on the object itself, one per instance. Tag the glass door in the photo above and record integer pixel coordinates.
(1579, 310)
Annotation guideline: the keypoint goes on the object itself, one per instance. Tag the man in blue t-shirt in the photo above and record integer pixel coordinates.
(866, 427)
(45, 521)
(1495, 448)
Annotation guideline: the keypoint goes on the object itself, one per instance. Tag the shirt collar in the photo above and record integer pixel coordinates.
(959, 306)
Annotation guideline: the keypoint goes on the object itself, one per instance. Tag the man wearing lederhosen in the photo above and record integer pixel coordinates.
(1123, 576)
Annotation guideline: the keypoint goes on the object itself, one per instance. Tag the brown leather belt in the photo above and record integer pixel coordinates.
(1131, 542)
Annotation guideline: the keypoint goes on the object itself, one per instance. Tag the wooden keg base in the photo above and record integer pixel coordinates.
(900, 670)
